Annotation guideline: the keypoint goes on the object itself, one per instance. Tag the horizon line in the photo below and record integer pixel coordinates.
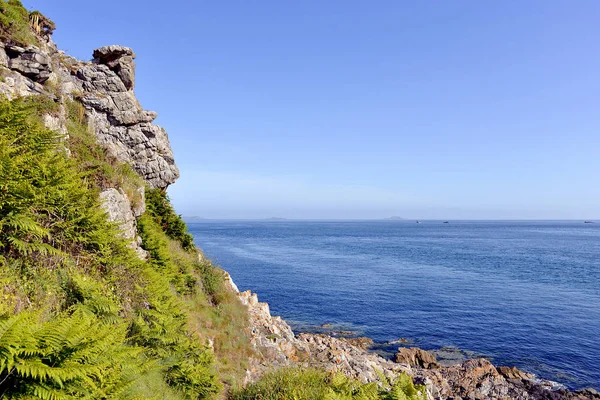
(276, 219)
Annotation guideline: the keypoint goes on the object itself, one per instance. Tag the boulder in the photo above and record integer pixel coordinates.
(514, 373)
(118, 208)
(3, 56)
(416, 357)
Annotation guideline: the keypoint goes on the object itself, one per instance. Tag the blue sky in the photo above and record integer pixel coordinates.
(356, 109)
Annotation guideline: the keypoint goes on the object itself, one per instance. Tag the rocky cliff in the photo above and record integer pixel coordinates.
(104, 86)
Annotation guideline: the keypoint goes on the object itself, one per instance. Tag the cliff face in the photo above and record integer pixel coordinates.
(104, 86)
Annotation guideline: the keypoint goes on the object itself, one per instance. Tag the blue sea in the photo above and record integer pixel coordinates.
(520, 293)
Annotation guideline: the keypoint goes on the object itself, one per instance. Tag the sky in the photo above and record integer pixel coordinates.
(463, 109)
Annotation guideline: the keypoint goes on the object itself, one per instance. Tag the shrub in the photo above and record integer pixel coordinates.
(68, 272)
(158, 205)
(314, 384)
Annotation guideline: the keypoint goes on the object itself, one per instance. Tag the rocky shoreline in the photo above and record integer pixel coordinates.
(276, 346)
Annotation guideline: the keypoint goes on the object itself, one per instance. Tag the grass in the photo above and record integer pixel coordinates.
(215, 314)
(20, 26)
(315, 384)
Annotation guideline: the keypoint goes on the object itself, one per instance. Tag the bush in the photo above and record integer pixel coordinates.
(158, 205)
(314, 384)
(71, 356)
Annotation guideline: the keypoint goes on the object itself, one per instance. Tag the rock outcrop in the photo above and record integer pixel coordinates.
(105, 88)
(416, 357)
(120, 60)
(120, 123)
(29, 61)
(120, 210)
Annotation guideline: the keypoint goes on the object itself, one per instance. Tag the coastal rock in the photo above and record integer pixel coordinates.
(514, 373)
(338, 355)
(474, 379)
(276, 346)
(587, 393)
(362, 343)
(416, 357)
(271, 338)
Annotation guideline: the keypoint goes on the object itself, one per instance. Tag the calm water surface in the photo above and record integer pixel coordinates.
(522, 293)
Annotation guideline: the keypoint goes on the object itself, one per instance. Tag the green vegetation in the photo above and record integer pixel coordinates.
(160, 208)
(313, 384)
(214, 313)
(21, 26)
(81, 315)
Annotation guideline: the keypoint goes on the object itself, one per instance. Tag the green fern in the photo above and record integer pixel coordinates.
(72, 356)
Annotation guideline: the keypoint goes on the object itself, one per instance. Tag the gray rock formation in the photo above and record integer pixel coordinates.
(121, 125)
(30, 62)
(105, 87)
(120, 60)
(119, 121)
(119, 210)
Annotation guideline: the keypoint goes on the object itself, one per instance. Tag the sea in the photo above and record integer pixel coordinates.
(521, 293)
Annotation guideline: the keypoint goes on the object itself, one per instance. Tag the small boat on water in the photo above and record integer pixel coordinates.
(588, 222)
(446, 222)
(418, 222)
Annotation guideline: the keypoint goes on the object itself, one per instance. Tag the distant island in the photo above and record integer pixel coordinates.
(395, 218)
(193, 219)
